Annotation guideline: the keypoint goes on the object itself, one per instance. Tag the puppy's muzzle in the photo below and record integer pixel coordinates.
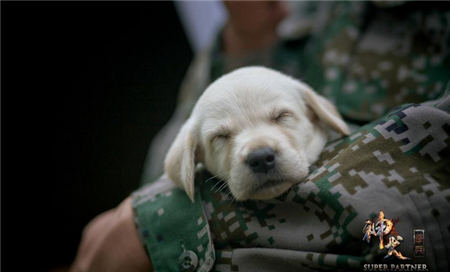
(261, 160)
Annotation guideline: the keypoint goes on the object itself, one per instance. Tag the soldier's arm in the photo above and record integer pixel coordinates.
(110, 242)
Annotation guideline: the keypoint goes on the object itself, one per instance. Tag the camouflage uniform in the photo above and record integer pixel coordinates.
(368, 58)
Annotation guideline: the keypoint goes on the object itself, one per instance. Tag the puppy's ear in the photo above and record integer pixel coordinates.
(326, 111)
(180, 160)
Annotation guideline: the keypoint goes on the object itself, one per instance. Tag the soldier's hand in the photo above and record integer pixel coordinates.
(110, 242)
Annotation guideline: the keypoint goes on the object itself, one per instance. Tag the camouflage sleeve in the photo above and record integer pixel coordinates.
(174, 231)
(398, 164)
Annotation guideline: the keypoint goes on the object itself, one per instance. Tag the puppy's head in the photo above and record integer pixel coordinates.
(256, 129)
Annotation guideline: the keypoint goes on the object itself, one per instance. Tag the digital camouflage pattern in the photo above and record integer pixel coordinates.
(398, 163)
(367, 58)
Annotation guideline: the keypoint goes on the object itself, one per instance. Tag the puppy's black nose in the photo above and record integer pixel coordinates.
(261, 160)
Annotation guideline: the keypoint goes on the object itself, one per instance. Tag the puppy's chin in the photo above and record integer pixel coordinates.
(265, 188)
(271, 191)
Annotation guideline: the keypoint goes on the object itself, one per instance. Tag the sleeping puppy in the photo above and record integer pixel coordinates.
(256, 129)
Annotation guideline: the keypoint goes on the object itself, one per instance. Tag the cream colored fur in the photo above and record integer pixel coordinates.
(250, 108)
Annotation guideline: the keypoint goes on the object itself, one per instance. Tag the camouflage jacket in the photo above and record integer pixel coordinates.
(368, 59)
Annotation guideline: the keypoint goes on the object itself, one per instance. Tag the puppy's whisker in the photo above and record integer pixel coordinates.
(214, 186)
(221, 187)
(211, 178)
(219, 182)
(215, 176)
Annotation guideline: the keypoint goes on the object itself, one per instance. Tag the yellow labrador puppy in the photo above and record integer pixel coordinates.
(256, 129)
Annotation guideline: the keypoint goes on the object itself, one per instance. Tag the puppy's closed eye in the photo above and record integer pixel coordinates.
(221, 136)
(280, 116)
